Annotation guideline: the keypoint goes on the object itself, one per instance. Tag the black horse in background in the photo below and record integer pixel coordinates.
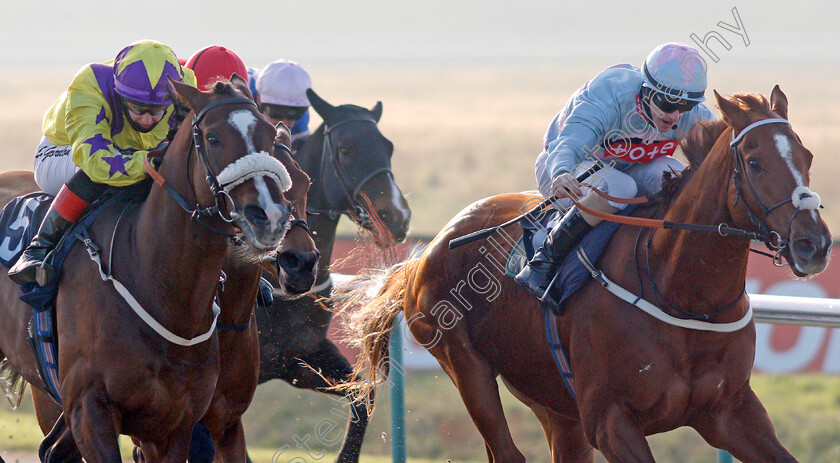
(349, 162)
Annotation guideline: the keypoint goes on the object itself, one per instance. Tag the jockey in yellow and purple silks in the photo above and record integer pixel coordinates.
(96, 135)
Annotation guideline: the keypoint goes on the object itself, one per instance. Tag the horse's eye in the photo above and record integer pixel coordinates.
(212, 140)
(344, 151)
(754, 165)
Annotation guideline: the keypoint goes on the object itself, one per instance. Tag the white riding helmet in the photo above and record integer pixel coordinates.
(284, 82)
(676, 70)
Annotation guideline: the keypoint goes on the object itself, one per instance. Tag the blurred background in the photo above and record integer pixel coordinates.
(468, 89)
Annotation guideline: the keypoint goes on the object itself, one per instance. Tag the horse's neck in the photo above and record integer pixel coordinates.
(184, 257)
(323, 233)
(718, 263)
(323, 227)
(310, 157)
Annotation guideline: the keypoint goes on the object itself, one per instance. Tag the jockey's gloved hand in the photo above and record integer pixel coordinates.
(265, 298)
(566, 185)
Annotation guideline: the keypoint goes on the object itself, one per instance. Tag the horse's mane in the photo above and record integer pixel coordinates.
(704, 134)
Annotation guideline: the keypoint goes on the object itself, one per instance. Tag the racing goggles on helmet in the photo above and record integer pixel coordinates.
(669, 104)
(138, 109)
(280, 112)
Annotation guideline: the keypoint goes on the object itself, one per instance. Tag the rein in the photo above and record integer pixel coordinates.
(770, 238)
(329, 158)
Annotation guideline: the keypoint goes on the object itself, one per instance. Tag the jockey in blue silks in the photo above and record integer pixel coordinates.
(632, 118)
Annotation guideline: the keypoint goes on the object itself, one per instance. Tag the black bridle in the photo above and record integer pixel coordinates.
(347, 203)
(199, 213)
(771, 239)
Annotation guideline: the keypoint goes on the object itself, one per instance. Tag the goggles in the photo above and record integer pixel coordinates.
(669, 104)
(138, 109)
(280, 112)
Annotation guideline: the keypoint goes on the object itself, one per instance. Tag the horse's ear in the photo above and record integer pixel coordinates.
(732, 113)
(190, 96)
(241, 84)
(324, 109)
(779, 102)
(377, 111)
(284, 135)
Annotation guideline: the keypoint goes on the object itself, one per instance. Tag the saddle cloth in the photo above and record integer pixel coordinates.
(19, 223)
(572, 274)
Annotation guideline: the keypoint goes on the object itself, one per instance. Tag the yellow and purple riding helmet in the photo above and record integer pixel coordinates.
(141, 72)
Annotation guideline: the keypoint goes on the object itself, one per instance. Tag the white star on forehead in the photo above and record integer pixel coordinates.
(244, 121)
(783, 145)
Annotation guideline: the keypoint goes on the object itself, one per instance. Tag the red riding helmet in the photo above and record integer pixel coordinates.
(213, 63)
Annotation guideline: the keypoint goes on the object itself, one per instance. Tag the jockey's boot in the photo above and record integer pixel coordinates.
(539, 272)
(30, 267)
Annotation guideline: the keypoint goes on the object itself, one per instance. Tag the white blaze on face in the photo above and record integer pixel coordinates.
(783, 145)
(813, 200)
(244, 121)
(396, 195)
(272, 210)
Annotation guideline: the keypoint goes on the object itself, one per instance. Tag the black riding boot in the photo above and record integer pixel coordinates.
(539, 272)
(31, 267)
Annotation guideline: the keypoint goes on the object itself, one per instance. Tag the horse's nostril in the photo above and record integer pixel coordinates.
(805, 247)
(289, 262)
(255, 214)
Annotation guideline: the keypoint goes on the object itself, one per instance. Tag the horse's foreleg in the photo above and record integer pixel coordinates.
(58, 445)
(93, 426)
(231, 446)
(743, 428)
(566, 439)
(328, 361)
(476, 382)
(619, 438)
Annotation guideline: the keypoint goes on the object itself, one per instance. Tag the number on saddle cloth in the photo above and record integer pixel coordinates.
(572, 273)
(19, 223)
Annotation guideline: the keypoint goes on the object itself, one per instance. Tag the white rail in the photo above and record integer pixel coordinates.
(791, 310)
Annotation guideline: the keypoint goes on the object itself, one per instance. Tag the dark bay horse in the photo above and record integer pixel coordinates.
(348, 159)
(633, 375)
(119, 375)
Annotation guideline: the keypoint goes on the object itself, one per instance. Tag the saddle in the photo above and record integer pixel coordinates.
(19, 223)
(571, 274)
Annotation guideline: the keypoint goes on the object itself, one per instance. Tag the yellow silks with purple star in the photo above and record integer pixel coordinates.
(88, 116)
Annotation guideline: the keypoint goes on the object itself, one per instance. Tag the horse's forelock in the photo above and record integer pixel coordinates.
(224, 87)
(753, 102)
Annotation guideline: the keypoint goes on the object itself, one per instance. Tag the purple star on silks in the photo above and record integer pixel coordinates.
(117, 164)
(101, 116)
(97, 142)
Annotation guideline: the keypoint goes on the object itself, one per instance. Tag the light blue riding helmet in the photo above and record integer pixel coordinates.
(677, 70)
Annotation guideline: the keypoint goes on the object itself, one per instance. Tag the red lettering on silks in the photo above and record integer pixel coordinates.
(639, 152)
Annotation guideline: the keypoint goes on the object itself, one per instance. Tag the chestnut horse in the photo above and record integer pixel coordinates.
(295, 273)
(633, 375)
(147, 381)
